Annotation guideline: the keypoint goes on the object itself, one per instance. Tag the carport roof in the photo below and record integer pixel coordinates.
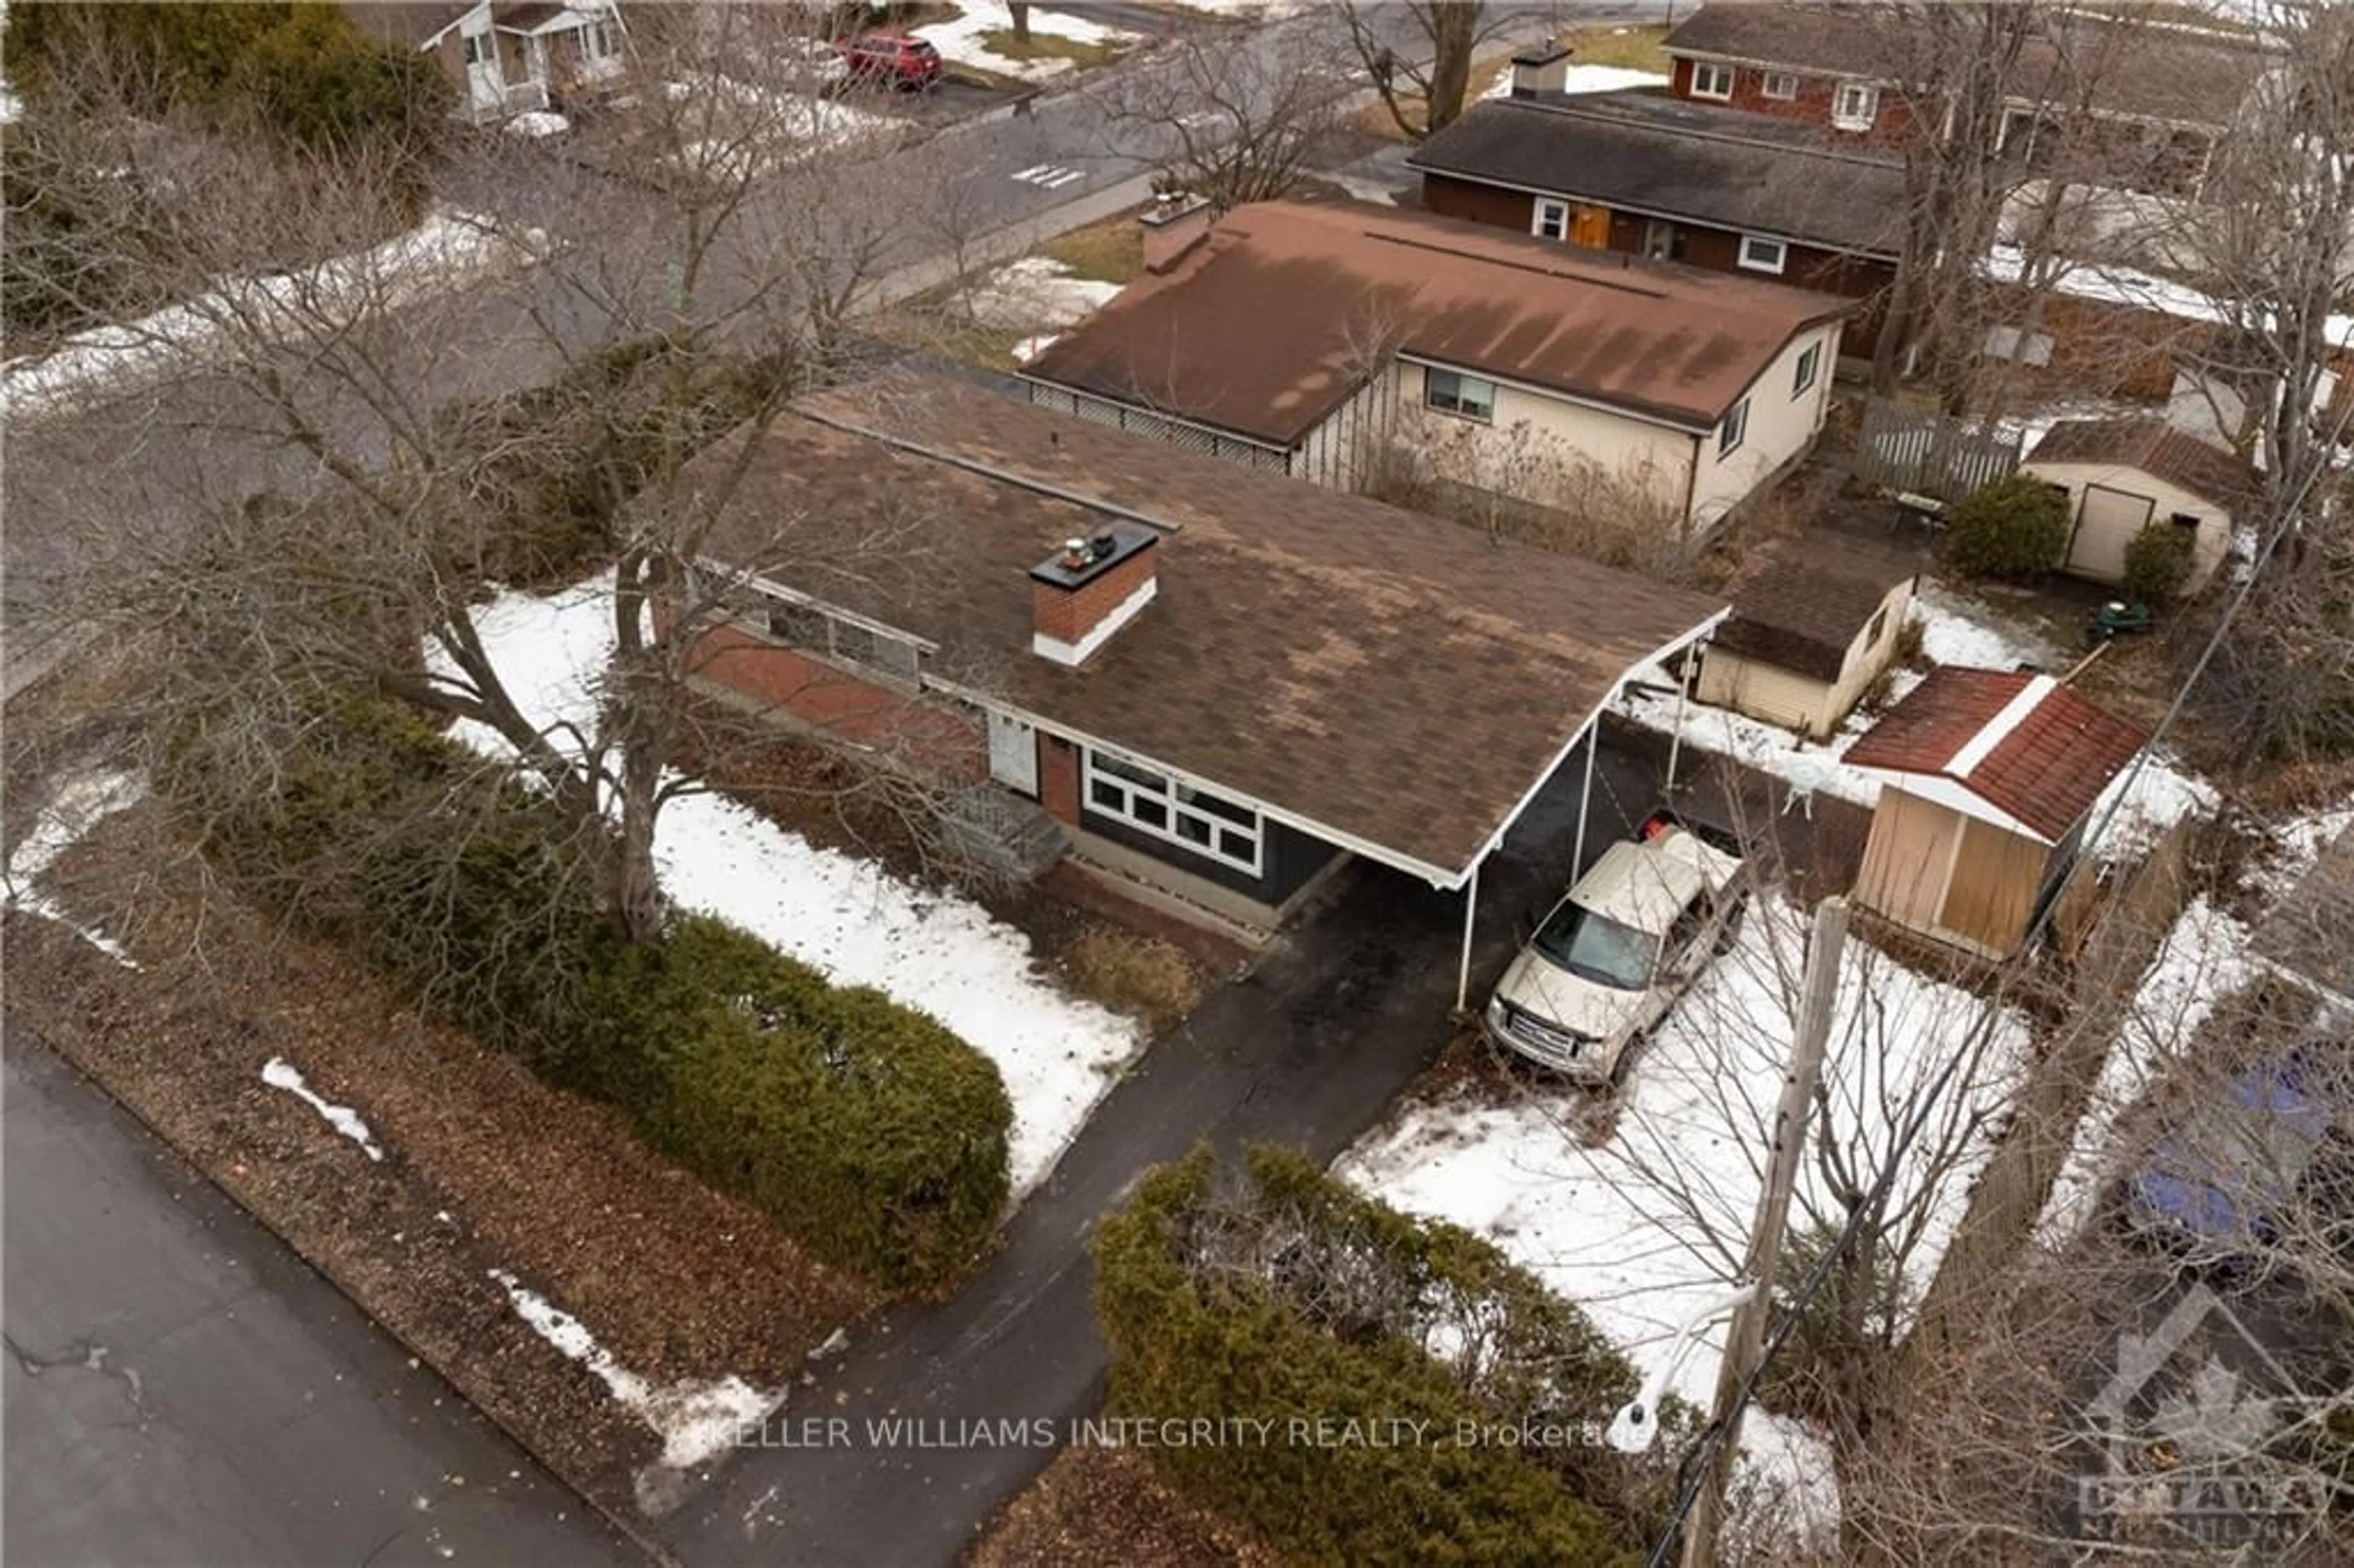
(1382, 679)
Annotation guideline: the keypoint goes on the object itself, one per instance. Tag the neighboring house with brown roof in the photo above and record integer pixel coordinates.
(2124, 475)
(1327, 341)
(1224, 684)
(1987, 781)
(506, 56)
(1695, 183)
(2156, 96)
(1807, 636)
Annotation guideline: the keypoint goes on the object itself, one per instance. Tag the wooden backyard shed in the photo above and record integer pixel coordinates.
(1988, 779)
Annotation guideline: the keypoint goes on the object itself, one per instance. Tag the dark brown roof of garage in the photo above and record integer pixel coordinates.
(2156, 447)
(1365, 671)
(2047, 768)
(1284, 309)
(1804, 612)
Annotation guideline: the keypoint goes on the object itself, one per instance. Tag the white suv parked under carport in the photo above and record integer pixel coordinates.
(1614, 955)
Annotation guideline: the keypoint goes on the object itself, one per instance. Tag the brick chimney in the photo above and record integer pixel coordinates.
(1542, 71)
(1172, 225)
(1089, 588)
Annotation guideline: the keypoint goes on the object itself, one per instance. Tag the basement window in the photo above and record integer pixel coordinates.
(1208, 825)
(1452, 392)
(1760, 254)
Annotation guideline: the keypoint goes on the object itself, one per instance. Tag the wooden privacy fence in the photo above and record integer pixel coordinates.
(1930, 453)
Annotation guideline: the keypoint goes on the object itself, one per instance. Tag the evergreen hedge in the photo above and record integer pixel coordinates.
(1277, 1294)
(2015, 527)
(870, 1131)
(2158, 561)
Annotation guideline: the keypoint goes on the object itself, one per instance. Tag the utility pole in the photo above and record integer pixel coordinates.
(1745, 1340)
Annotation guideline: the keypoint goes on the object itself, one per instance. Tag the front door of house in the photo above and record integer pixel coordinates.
(1012, 754)
(1589, 225)
(485, 84)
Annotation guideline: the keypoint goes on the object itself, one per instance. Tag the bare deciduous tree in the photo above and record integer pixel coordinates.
(1422, 96)
(1241, 116)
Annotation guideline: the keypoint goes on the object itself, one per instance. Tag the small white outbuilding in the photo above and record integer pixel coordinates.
(2124, 475)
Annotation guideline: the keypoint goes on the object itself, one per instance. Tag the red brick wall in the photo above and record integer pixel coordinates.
(1813, 104)
(1068, 614)
(912, 729)
(1058, 779)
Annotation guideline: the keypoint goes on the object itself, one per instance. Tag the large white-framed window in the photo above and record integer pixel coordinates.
(1781, 86)
(1551, 221)
(1810, 365)
(1855, 105)
(1760, 254)
(1452, 392)
(600, 41)
(1710, 79)
(1195, 820)
(1733, 430)
(811, 629)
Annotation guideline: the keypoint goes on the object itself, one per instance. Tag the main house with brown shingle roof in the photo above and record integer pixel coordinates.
(1335, 342)
(2124, 475)
(1987, 781)
(1218, 682)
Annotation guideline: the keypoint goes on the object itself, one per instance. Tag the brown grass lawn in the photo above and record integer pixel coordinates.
(1632, 47)
(1046, 46)
(1109, 251)
(1096, 1506)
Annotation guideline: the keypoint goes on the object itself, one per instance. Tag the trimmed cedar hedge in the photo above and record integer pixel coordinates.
(869, 1131)
(1277, 1294)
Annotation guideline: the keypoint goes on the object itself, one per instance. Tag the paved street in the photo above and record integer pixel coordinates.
(180, 1389)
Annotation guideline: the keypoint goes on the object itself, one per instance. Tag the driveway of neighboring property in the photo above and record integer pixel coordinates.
(1308, 1049)
(180, 1388)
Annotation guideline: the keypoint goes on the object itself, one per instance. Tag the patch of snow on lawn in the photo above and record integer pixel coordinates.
(1955, 631)
(847, 917)
(448, 250)
(1584, 79)
(2296, 844)
(1650, 1226)
(1038, 292)
(281, 1074)
(1030, 348)
(80, 804)
(537, 123)
(960, 39)
(2146, 800)
(2205, 959)
(697, 1421)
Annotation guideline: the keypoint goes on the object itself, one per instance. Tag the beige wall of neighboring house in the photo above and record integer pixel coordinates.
(1534, 444)
(1781, 423)
(1815, 708)
(2109, 503)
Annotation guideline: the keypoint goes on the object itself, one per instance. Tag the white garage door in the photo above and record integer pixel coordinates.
(2106, 521)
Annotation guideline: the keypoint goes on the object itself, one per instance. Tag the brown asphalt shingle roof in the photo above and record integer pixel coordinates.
(2157, 72)
(1674, 158)
(1803, 612)
(2156, 447)
(1284, 309)
(1370, 671)
(2047, 771)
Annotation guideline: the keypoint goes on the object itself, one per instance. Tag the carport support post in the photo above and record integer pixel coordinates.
(1745, 1340)
(1676, 731)
(1463, 970)
(1586, 795)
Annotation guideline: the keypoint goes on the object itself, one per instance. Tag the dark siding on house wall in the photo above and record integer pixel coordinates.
(1290, 858)
(1813, 104)
(1452, 197)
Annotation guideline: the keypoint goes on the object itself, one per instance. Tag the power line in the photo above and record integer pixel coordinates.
(1818, 1272)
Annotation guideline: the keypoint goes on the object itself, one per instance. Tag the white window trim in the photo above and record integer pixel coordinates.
(1810, 366)
(1217, 826)
(1430, 371)
(1845, 121)
(1730, 75)
(1765, 87)
(1733, 429)
(1781, 254)
(1556, 210)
